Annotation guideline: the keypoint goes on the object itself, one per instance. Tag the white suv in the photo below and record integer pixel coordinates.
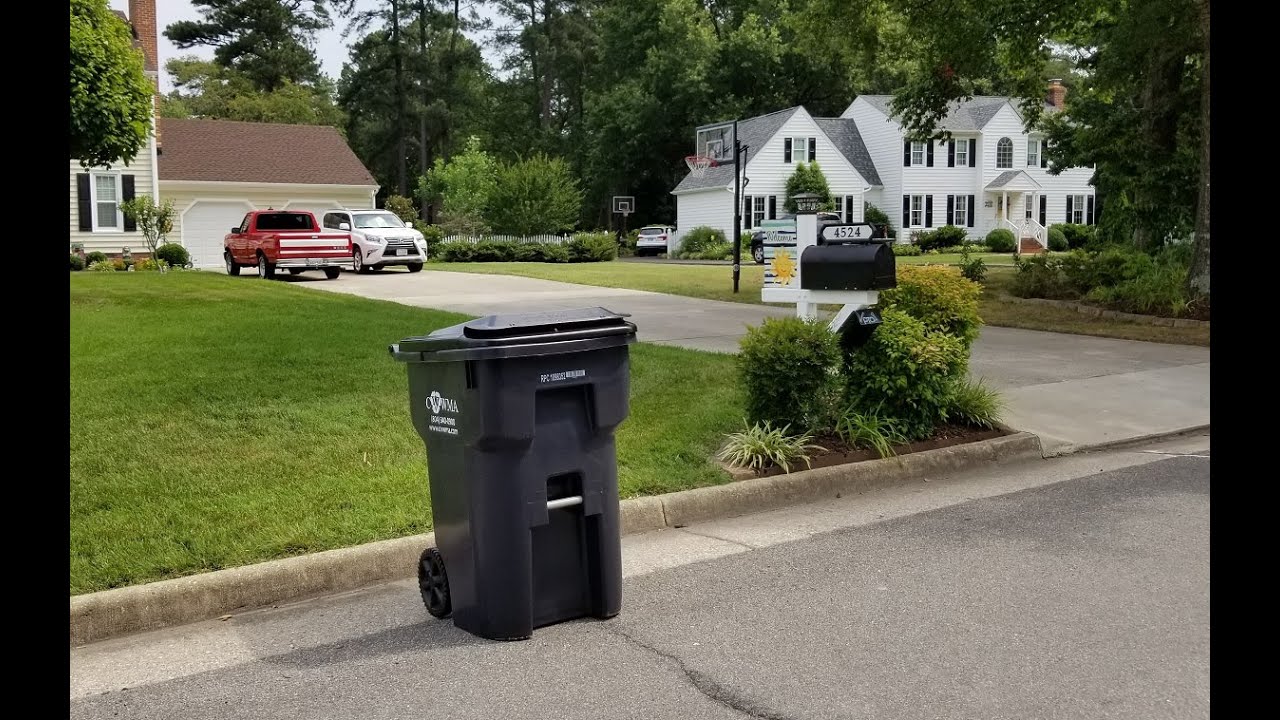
(379, 239)
(653, 239)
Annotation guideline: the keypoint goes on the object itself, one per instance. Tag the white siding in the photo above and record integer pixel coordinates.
(883, 139)
(713, 208)
(112, 242)
(940, 181)
(768, 169)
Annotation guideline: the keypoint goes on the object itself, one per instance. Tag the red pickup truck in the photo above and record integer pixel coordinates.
(288, 240)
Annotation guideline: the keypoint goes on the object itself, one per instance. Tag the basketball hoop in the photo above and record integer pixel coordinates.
(698, 164)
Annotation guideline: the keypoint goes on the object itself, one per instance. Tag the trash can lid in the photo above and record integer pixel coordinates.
(520, 334)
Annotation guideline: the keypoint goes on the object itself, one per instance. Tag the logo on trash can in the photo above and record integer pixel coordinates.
(437, 403)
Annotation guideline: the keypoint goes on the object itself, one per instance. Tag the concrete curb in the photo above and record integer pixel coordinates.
(1130, 441)
(1095, 311)
(101, 615)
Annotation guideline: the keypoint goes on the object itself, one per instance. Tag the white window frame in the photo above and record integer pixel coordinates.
(962, 152)
(1004, 140)
(93, 193)
(800, 150)
(1079, 212)
(1029, 208)
(960, 211)
(758, 209)
(917, 211)
(1033, 152)
(919, 150)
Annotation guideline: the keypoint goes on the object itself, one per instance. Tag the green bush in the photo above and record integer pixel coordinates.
(938, 296)
(876, 216)
(121, 264)
(975, 404)
(1040, 276)
(946, 236)
(869, 430)
(102, 266)
(554, 253)
(761, 446)
(95, 256)
(1000, 240)
(454, 251)
(699, 239)
(1078, 236)
(77, 262)
(1149, 285)
(493, 251)
(1057, 240)
(903, 250)
(787, 368)
(719, 251)
(402, 207)
(906, 373)
(173, 254)
(432, 234)
(593, 247)
(146, 265)
(973, 268)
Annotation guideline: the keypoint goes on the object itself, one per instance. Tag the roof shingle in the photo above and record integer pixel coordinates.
(963, 115)
(844, 134)
(233, 151)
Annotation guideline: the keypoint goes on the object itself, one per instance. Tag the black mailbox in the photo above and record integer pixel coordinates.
(855, 266)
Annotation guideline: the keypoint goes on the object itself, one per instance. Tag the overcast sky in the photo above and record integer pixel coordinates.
(330, 48)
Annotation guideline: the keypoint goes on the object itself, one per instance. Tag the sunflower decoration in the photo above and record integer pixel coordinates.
(784, 268)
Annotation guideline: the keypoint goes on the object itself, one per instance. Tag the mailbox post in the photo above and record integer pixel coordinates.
(832, 263)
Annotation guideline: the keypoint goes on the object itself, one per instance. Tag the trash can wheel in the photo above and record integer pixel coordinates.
(433, 583)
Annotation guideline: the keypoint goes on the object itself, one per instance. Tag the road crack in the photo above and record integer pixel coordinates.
(704, 684)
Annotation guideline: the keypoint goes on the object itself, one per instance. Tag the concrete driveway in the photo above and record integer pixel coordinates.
(1073, 391)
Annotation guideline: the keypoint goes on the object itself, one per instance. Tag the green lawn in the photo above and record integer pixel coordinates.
(715, 282)
(222, 421)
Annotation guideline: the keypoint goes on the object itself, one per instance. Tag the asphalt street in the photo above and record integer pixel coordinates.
(1075, 587)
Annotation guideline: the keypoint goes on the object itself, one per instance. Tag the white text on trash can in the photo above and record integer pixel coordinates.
(566, 375)
(441, 423)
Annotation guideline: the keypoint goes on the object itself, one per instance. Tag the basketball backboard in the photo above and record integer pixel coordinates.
(624, 204)
(715, 141)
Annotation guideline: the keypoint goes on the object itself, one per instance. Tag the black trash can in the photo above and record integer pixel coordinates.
(518, 414)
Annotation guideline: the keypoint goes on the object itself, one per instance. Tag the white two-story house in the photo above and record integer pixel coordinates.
(775, 143)
(989, 173)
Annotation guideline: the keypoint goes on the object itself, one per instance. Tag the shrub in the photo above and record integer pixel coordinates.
(146, 265)
(1039, 276)
(493, 251)
(787, 371)
(876, 216)
(542, 252)
(907, 373)
(699, 239)
(121, 264)
(77, 262)
(430, 233)
(1001, 240)
(103, 266)
(536, 195)
(869, 430)
(1057, 240)
(761, 446)
(173, 254)
(902, 250)
(554, 253)
(938, 296)
(973, 268)
(1149, 285)
(455, 251)
(975, 404)
(95, 256)
(402, 207)
(593, 247)
(945, 236)
(1078, 236)
(718, 251)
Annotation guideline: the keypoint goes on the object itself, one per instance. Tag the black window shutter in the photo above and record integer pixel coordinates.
(928, 153)
(928, 211)
(813, 149)
(951, 153)
(1089, 217)
(951, 209)
(127, 192)
(906, 211)
(848, 208)
(1044, 206)
(1097, 209)
(906, 153)
(1044, 159)
(1069, 202)
(748, 211)
(973, 152)
(773, 207)
(970, 215)
(85, 201)
(786, 150)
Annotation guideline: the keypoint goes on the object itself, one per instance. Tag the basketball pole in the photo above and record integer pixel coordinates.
(737, 210)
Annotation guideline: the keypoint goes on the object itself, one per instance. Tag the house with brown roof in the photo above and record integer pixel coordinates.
(214, 171)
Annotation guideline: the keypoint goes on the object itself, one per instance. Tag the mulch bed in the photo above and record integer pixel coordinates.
(839, 453)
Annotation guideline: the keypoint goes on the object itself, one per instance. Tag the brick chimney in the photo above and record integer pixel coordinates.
(1057, 93)
(142, 15)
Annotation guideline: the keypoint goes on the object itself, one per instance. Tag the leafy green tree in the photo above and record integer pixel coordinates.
(462, 189)
(535, 196)
(402, 207)
(204, 89)
(269, 41)
(154, 221)
(110, 95)
(808, 178)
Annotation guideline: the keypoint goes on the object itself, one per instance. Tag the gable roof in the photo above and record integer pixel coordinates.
(753, 132)
(843, 133)
(963, 115)
(233, 151)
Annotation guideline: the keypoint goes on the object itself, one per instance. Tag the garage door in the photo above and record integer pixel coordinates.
(205, 224)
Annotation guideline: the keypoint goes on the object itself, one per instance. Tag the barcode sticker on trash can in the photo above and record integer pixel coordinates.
(566, 375)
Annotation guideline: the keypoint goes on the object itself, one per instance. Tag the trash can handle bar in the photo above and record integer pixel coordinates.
(564, 502)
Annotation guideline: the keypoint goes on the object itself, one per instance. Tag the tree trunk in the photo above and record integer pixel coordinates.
(449, 64)
(402, 149)
(422, 111)
(1198, 276)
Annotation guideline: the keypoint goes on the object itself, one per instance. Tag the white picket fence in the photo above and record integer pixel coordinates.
(522, 239)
